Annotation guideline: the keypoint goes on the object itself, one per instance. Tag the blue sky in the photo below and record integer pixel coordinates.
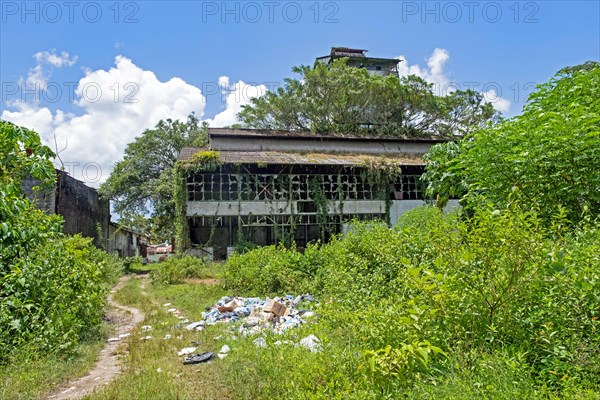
(212, 56)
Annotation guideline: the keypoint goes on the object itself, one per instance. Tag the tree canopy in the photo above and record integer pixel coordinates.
(338, 98)
(142, 183)
(549, 156)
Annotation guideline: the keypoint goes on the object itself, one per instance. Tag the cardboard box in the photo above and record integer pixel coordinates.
(232, 305)
(278, 309)
(268, 307)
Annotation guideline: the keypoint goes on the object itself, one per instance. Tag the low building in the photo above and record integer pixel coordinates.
(125, 242)
(264, 187)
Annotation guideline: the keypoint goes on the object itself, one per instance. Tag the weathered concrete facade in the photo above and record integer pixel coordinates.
(82, 209)
(84, 212)
(265, 187)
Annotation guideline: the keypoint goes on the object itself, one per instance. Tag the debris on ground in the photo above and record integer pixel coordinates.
(224, 350)
(186, 350)
(146, 338)
(276, 315)
(312, 343)
(199, 358)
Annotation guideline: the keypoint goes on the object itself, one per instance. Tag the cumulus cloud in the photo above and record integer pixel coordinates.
(57, 60)
(117, 105)
(442, 85)
(236, 95)
(37, 77)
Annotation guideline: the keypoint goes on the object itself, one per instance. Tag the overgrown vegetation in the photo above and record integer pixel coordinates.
(178, 268)
(433, 295)
(53, 286)
(499, 300)
(548, 157)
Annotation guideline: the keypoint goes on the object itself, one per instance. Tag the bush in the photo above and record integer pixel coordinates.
(498, 281)
(52, 286)
(54, 297)
(180, 267)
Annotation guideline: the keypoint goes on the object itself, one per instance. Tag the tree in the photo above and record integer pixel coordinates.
(21, 155)
(338, 98)
(143, 182)
(549, 156)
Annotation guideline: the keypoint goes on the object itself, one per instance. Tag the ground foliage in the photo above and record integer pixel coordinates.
(53, 286)
(439, 293)
(498, 300)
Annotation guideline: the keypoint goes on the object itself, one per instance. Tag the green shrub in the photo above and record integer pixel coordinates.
(52, 287)
(54, 296)
(498, 281)
(180, 267)
(269, 270)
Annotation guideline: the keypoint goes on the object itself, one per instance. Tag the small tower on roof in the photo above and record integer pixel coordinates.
(357, 58)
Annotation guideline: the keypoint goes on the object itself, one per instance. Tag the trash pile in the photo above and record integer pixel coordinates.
(276, 315)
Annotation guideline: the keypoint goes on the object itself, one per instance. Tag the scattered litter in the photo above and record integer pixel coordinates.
(146, 338)
(186, 350)
(124, 335)
(198, 326)
(222, 355)
(113, 339)
(260, 342)
(198, 358)
(276, 315)
(171, 310)
(167, 337)
(312, 343)
(159, 370)
(225, 349)
(166, 304)
(146, 328)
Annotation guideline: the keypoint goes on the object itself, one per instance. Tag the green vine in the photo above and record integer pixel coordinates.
(182, 233)
(204, 160)
(382, 174)
(320, 202)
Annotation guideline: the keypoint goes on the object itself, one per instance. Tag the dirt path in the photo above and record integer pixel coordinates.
(123, 320)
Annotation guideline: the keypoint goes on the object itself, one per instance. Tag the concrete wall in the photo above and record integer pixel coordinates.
(316, 145)
(45, 200)
(79, 205)
(399, 207)
(234, 208)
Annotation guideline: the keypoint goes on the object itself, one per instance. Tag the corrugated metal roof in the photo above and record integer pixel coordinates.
(290, 158)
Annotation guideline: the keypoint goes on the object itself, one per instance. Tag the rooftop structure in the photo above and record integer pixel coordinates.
(358, 58)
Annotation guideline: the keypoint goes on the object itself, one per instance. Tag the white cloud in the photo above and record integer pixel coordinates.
(57, 60)
(500, 103)
(236, 96)
(442, 85)
(37, 77)
(118, 104)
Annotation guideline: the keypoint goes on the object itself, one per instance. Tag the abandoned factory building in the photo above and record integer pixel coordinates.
(253, 187)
